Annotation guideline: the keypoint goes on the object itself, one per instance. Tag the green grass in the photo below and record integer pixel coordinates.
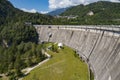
(62, 66)
(91, 75)
(5, 78)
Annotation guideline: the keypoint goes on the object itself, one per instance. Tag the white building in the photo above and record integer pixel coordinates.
(60, 45)
(91, 13)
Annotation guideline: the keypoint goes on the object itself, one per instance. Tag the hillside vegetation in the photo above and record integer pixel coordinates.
(13, 25)
(18, 40)
(18, 57)
(103, 12)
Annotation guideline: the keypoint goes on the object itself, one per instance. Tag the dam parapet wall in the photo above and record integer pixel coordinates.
(99, 45)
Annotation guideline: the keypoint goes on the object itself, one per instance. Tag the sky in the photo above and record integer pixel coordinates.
(44, 6)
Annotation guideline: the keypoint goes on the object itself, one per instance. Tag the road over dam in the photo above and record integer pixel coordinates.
(98, 45)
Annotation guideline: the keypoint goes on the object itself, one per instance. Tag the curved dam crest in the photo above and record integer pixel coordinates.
(98, 45)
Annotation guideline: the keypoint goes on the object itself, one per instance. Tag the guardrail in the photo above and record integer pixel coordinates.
(110, 28)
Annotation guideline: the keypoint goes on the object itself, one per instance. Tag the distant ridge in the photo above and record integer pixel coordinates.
(9, 13)
(57, 11)
(101, 12)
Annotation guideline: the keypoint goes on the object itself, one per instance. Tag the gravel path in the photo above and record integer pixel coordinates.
(28, 70)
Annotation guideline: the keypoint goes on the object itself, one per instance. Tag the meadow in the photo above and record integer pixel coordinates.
(63, 65)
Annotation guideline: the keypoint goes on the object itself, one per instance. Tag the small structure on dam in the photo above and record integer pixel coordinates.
(60, 45)
(98, 45)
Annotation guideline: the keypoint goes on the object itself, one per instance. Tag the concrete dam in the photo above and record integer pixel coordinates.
(98, 45)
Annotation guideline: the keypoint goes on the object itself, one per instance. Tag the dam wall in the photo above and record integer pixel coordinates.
(98, 45)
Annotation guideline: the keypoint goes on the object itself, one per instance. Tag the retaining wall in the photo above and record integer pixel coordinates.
(99, 45)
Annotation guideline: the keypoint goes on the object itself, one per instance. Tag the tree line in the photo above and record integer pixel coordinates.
(13, 59)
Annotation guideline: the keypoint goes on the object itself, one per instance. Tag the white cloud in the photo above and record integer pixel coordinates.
(115, 0)
(30, 11)
(55, 4)
(44, 12)
(33, 11)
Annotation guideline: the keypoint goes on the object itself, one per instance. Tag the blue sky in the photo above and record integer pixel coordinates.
(38, 5)
(44, 6)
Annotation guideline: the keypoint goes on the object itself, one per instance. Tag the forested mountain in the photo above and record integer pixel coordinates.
(9, 13)
(13, 20)
(101, 12)
(18, 39)
(6, 11)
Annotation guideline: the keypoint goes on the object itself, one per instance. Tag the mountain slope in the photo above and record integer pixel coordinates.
(18, 40)
(101, 12)
(8, 12)
(57, 12)
(6, 9)
(12, 21)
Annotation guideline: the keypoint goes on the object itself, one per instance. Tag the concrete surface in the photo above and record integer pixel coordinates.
(98, 45)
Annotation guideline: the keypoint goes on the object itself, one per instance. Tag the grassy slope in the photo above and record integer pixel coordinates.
(62, 66)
